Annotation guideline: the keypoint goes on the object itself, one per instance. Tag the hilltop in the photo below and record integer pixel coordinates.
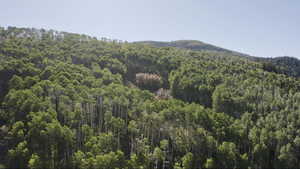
(285, 64)
(190, 44)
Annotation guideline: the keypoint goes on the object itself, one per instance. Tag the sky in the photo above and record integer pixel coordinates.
(266, 28)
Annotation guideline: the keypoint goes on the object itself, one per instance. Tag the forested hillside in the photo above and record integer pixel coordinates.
(74, 101)
(190, 44)
(286, 65)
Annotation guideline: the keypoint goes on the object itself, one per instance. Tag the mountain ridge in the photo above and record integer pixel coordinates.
(288, 65)
(195, 45)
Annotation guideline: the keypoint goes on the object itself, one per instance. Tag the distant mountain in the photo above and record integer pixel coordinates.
(284, 64)
(190, 44)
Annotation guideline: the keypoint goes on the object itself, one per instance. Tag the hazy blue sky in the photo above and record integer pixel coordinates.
(256, 27)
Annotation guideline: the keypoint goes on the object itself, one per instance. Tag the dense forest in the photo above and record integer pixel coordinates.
(283, 64)
(74, 101)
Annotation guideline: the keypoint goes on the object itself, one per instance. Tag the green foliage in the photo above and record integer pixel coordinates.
(34, 162)
(73, 101)
(209, 164)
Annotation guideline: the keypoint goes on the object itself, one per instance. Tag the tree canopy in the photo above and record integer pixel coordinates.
(75, 101)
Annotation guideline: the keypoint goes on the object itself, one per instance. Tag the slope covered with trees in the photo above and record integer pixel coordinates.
(285, 64)
(74, 101)
(191, 45)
